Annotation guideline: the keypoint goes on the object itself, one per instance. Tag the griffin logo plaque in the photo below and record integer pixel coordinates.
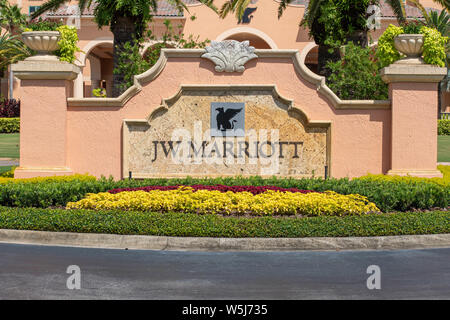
(227, 119)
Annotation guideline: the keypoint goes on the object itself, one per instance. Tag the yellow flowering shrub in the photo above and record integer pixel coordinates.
(445, 181)
(77, 177)
(270, 202)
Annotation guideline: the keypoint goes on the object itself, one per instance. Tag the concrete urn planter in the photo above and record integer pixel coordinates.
(410, 45)
(44, 42)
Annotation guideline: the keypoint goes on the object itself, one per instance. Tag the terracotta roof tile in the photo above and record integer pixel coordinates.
(164, 9)
(411, 11)
(167, 10)
(386, 10)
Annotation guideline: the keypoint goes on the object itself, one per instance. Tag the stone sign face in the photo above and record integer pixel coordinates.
(207, 132)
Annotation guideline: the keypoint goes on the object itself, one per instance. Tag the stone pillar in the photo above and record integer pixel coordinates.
(414, 96)
(78, 87)
(45, 86)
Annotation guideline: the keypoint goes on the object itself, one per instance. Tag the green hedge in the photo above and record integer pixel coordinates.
(179, 224)
(387, 195)
(444, 127)
(9, 125)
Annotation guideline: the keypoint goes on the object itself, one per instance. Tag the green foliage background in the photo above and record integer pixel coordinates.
(388, 193)
(9, 125)
(356, 76)
(434, 46)
(444, 127)
(68, 42)
(130, 59)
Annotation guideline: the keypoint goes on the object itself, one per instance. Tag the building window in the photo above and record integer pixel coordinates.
(32, 9)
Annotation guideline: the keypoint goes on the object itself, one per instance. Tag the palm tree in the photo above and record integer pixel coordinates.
(352, 24)
(12, 50)
(439, 21)
(398, 6)
(127, 20)
(11, 18)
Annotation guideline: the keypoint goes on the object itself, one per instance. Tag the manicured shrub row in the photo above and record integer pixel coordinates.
(8, 174)
(57, 179)
(446, 172)
(218, 187)
(186, 199)
(186, 224)
(388, 195)
(444, 127)
(411, 180)
(9, 108)
(9, 125)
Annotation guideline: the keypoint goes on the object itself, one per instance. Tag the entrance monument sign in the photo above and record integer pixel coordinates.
(223, 111)
(202, 134)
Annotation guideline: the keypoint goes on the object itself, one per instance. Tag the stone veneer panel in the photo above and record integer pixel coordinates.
(191, 112)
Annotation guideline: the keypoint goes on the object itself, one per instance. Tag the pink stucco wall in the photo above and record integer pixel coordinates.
(43, 123)
(414, 145)
(360, 138)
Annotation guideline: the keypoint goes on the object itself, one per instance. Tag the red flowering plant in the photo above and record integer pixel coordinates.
(9, 108)
(218, 187)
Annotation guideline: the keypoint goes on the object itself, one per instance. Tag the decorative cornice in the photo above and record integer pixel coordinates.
(320, 82)
(398, 72)
(139, 80)
(297, 58)
(45, 70)
(230, 55)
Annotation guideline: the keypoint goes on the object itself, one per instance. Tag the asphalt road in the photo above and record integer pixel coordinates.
(39, 272)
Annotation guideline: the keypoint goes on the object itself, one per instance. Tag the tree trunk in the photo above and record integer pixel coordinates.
(124, 30)
(359, 38)
(324, 57)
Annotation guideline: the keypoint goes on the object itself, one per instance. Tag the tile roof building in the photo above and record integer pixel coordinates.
(261, 27)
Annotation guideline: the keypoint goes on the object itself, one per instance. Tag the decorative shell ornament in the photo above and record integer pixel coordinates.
(230, 55)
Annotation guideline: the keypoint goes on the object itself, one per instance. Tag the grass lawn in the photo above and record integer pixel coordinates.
(9, 145)
(4, 169)
(443, 148)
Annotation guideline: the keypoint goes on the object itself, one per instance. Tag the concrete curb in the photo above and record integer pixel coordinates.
(111, 241)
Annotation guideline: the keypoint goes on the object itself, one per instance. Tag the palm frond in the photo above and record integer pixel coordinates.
(52, 5)
(180, 5)
(226, 8)
(12, 50)
(240, 8)
(444, 3)
(441, 21)
(421, 8)
(311, 12)
(282, 7)
(209, 4)
(236, 6)
(399, 9)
